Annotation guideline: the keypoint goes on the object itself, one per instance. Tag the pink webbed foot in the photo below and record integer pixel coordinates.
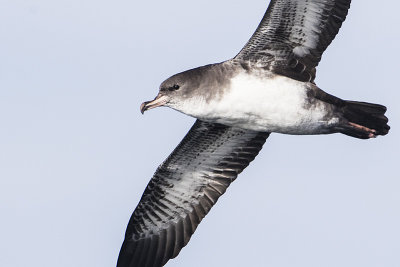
(371, 132)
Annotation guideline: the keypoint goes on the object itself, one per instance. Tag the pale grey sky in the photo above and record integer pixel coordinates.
(76, 154)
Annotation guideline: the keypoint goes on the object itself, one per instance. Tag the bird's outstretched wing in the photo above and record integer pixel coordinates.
(183, 190)
(293, 34)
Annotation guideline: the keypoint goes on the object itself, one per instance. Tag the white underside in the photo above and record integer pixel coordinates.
(255, 102)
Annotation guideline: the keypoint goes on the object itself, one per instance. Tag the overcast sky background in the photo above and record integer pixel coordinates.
(76, 154)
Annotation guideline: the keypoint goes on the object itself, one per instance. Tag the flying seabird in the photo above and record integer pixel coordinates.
(268, 87)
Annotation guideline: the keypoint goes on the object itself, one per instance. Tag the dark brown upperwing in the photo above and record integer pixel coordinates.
(293, 34)
(183, 190)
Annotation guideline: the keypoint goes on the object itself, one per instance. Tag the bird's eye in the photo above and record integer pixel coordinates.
(174, 87)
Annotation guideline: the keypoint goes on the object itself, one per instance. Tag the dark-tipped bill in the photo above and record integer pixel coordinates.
(160, 100)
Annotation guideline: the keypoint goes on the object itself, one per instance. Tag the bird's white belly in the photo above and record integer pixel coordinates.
(273, 104)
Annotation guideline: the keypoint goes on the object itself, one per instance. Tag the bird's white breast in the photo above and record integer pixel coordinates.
(263, 103)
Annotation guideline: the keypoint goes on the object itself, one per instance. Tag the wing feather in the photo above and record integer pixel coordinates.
(184, 189)
(293, 35)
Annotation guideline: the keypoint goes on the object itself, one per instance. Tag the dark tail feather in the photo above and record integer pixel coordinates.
(364, 120)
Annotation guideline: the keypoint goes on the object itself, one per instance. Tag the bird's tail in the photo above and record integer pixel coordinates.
(364, 120)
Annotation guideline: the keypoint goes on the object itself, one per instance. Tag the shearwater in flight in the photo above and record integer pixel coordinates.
(268, 87)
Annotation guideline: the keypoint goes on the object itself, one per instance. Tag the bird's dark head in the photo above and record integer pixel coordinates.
(179, 89)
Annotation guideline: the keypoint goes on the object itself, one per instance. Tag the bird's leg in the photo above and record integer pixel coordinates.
(371, 132)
